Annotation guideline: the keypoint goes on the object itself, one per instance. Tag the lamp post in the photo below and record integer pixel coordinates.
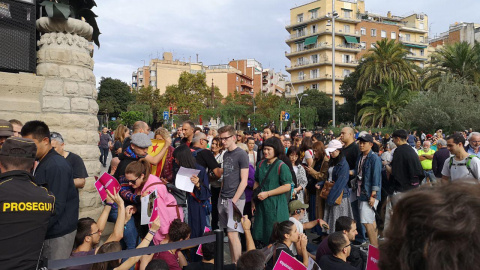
(334, 15)
(299, 101)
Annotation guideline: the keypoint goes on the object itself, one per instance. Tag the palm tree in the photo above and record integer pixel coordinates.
(460, 59)
(386, 60)
(383, 103)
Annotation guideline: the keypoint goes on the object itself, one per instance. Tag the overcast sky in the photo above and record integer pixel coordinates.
(221, 30)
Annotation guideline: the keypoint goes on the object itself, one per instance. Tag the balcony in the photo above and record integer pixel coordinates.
(409, 27)
(352, 19)
(321, 77)
(323, 46)
(307, 32)
(420, 44)
(308, 64)
(416, 57)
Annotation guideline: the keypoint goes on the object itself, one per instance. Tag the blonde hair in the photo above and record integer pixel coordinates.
(162, 132)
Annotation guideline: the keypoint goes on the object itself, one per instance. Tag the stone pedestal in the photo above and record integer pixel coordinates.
(62, 94)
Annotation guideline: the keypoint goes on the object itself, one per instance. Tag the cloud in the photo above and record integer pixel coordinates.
(221, 30)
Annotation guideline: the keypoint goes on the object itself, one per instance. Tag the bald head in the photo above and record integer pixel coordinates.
(346, 136)
(140, 127)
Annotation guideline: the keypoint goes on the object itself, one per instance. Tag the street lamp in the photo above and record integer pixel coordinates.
(334, 16)
(299, 101)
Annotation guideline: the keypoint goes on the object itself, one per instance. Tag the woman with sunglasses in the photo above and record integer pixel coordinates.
(138, 176)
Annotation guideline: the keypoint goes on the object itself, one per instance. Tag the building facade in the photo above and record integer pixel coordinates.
(273, 82)
(457, 32)
(356, 31)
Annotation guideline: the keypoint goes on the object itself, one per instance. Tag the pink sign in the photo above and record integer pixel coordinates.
(199, 249)
(101, 190)
(287, 262)
(373, 256)
(106, 181)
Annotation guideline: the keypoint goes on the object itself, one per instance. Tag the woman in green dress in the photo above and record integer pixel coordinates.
(272, 203)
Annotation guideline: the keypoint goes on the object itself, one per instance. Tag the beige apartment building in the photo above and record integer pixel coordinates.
(310, 41)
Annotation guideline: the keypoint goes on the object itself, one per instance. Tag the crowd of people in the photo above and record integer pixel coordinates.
(400, 192)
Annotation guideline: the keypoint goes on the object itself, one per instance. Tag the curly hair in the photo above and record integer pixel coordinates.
(434, 228)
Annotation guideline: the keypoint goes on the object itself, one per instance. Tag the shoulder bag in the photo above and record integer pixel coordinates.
(259, 188)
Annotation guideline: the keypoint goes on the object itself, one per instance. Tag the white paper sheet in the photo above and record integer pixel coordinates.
(234, 218)
(183, 181)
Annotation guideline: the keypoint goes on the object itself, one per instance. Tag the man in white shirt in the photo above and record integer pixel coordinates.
(462, 165)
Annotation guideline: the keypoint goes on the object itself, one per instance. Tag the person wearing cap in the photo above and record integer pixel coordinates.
(135, 151)
(367, 182)
(405, 170)
(297, 211)
(338, 173)
(54, 173)
(25, 207)
(78, 166)
(6, 131)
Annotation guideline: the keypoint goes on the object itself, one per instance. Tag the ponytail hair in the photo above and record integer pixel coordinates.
(279, 231)
(138, 167)
(114, 246)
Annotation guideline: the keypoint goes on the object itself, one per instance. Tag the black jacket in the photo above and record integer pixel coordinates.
(55, 173)
(25, 211)
(407, 171)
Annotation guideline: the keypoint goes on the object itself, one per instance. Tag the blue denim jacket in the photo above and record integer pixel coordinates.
(340, 176)
(371, 176)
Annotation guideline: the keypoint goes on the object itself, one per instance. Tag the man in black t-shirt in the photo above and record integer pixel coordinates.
(25, 207)
(79, 170)
(205, 157)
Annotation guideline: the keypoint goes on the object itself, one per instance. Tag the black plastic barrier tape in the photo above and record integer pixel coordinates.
(59, 264)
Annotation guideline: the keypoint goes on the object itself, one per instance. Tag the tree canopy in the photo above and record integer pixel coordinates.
(114, 96)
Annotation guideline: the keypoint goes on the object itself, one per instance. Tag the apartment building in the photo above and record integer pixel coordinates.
(273, 82)
(356, 31)
(242, 76)
(457, 32)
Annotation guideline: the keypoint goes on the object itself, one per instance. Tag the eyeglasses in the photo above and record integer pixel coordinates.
(99, 232)
(207, 141)
(225, 138)
(475, 141)
(348, 245)
(132, 181)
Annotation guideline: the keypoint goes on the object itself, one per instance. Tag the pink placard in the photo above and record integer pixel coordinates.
(373, 256)
(287, 262)
(109, 182)
(199, 249)
(101, 190)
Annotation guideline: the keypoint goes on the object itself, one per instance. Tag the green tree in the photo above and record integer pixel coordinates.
(450, 106)
(382, 104)
(386, 61)
(130, 117)
(322, 105)
(191, 94)
(114, 96)
(460, 59)
(152, 104)
(347, 112)
(234, 108)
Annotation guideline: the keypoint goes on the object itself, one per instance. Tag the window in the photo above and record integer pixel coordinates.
(422, 52)
(301, 89)
(314, 73)
(347, 13)
(374, 33)
(420, 65)
(407, 37)
(141, 81)
(301, 76)
(153, 73)
(140, 73)
(314, 86)
(300, 47)
(153, 83)
(346, 72)
(363, 45)
(393, 35)
(301, 32)
(363, 31)
(346, 28)
(236, 88)
(300, 17)
(383, 34)
(314, 28)
(300, 61)
(314, 14)
(314, 58)
(346, 58)
(373, 45)
(421, 26)
(422, 39)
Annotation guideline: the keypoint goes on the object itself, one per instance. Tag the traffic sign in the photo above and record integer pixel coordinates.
(287, 116)
(249, 125)
(165, 115)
